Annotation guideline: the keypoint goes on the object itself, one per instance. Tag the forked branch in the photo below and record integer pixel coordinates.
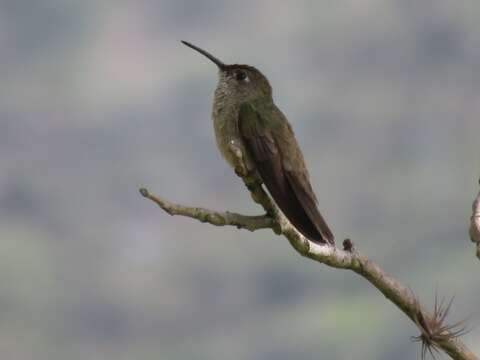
(435, 334)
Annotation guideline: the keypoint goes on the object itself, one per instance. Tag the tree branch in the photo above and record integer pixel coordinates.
(216, 218)
(474, 229)
(434, 333)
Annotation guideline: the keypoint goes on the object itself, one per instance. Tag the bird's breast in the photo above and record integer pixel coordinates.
(225, 124)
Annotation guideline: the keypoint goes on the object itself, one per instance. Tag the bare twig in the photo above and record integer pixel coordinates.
(251, 223)
(349, 258)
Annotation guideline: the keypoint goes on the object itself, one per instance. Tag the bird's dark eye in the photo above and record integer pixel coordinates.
(241, 75)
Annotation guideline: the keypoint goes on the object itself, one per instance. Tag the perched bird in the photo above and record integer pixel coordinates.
(245, 118)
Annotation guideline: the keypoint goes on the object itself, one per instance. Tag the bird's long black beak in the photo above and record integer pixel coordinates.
(219, 63)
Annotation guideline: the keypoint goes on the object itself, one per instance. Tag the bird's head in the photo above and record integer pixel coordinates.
(239, 83)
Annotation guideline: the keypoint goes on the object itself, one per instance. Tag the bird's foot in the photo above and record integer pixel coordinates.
(240, 171)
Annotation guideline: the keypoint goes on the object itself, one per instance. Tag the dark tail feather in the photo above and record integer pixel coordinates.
(310, 207)
(302, 213)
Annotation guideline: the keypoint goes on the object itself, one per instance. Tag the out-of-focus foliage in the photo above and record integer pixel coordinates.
(99, 98)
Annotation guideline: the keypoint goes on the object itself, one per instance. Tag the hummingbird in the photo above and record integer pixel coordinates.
(246, 120)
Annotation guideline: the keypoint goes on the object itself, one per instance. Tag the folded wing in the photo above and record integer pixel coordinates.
(289, 188)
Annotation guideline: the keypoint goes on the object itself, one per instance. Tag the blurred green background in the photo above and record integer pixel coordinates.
(100, 98)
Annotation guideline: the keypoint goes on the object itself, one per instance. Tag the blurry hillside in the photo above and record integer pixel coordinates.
(100, 98)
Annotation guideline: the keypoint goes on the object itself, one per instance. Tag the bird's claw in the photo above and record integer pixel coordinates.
(240, 171)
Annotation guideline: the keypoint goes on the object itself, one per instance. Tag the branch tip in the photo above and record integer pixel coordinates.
(144, 192)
